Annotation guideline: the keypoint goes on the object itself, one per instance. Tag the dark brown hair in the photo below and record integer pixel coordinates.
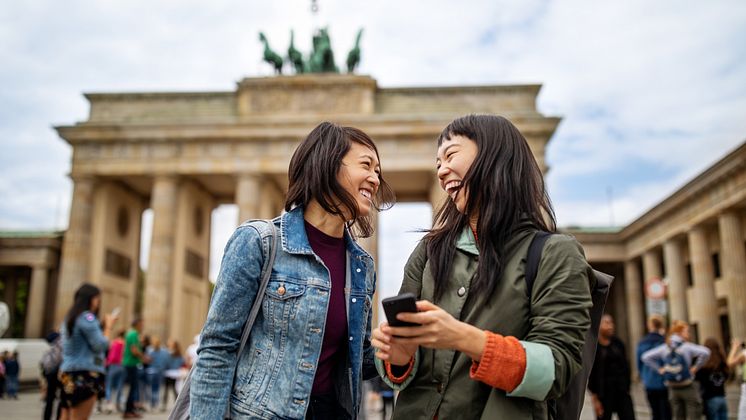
(505, 188)
(716, 361)
(313, 173)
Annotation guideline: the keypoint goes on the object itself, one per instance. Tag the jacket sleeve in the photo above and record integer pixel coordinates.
(699, 354)
(653, 357)
(411, 283)
(232, 299)
(560, 318)
(91, 330)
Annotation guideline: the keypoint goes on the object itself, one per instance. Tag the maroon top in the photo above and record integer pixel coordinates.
(333, 253)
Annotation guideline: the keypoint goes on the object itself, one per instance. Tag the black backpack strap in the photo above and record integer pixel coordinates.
(534, 258)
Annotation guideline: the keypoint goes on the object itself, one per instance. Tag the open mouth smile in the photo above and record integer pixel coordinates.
(452, 188)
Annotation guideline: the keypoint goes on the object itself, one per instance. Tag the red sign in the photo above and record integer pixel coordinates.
(655, 288)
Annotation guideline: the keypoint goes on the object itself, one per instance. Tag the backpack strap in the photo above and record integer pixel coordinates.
(533, 259)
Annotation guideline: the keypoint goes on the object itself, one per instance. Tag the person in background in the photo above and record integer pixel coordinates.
(174, 371)
(84, 343)
(3, 356)
(736, 358)
(686, 403)
(142, 396)
(159, 359)
(711, 377)
(50, 369)
(655, 390)
(115, 374)
(133, 356)
(12, 370)
(610, 377)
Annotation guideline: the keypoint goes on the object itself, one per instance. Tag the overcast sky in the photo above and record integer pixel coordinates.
(650, 92)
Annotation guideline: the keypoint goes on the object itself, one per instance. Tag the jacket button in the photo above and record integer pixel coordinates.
(461, 291)
(358, 270)
(281, 290)
(440, 387)
(354, 300)
(350, 338)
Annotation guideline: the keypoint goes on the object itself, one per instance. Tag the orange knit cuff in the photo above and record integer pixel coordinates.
(503, 363)
(398, 379)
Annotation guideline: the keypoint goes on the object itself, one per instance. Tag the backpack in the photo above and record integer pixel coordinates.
(51, 360)
(676, 368)
(570, 404)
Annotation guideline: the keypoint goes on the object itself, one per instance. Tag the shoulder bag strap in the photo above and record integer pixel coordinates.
(533, 260)
(266, 274)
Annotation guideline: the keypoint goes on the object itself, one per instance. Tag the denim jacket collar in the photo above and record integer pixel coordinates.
(295, 239)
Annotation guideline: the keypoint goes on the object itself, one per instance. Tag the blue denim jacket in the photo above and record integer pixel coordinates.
(276, 370)
(86, 348)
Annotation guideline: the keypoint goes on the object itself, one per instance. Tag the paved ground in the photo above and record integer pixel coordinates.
(28, 406)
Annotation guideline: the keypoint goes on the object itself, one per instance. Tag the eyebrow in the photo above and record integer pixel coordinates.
(372, 159)
(445, 151)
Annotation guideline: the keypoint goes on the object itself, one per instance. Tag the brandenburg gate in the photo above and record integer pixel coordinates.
(183, 154)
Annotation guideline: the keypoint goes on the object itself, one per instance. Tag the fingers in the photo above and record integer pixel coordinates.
(425, 305)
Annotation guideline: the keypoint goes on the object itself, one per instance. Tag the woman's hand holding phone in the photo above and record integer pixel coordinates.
(439, 330)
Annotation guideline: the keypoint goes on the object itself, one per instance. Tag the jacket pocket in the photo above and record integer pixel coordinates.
(281, 302)
(250, 377)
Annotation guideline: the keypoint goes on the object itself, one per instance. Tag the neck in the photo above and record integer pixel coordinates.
(330, 224)
(604, 340)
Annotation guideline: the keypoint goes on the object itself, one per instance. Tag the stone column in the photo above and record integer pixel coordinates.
(267, 201)
(76, 252)
(733, 264)
(635, 310)
(247, 197)
(705, 302)
(651, 265)
(37, 299)
(677, 280)
(159, 278)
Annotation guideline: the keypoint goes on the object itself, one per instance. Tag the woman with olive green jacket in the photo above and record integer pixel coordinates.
(482, 350)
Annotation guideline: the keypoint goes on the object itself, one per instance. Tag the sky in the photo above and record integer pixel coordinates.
(650, 93)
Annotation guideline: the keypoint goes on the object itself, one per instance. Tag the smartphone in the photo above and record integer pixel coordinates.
(116, 311)
(405, 302)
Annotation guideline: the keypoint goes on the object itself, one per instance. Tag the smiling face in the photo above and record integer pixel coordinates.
(359, 175)
(455, 157)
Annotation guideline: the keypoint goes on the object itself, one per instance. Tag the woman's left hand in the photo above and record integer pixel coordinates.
(439, 330)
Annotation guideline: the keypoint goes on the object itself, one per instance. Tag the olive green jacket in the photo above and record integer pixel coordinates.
(551, 330)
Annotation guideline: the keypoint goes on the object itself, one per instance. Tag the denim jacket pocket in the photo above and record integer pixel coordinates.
(283, 296)
(250, 376)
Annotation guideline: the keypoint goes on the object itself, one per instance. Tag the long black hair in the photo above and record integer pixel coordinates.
(505, 189)
(313, 173)
(82, 302)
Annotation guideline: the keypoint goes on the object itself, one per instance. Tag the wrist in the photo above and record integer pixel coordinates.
(473, 342)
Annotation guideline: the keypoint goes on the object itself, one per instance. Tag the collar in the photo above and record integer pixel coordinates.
(466, 241)
(295, 239)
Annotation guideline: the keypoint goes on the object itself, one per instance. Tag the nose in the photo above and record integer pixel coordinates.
(443, 171)
(374, 179)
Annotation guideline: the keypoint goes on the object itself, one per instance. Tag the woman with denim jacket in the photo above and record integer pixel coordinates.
(309, 348)
(84, 345)
(483, 350)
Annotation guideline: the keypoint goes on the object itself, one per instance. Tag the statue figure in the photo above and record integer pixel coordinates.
(353, 58)
(295, 56)
(270, 56)
(322, 57)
